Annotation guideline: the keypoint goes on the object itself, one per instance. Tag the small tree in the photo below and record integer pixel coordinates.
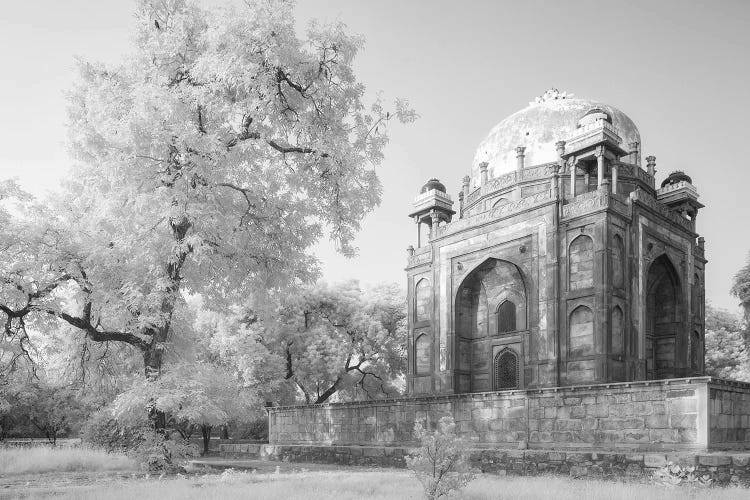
(441, 462)
(197, 395)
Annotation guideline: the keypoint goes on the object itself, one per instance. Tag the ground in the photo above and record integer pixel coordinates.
(283, 480)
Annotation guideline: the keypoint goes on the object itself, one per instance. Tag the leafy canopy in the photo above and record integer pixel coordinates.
(207, 162)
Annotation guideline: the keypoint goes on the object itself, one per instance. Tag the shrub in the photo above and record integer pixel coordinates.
(441, 462)
(101, 430)
(158, 451)
(256, 430)
(673, 474)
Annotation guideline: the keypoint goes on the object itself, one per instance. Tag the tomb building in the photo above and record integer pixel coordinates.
(564, 263)
(559, 304)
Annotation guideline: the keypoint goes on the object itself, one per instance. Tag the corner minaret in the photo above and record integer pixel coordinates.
(679, 194)
(432, 207)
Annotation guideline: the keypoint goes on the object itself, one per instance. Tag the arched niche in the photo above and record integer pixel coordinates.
(618, 262)
(581, 263)
(423, 354)
(663, 318)
(617, 342)
(422, 300)
(506, 317)
(581, 332)
(696, 351)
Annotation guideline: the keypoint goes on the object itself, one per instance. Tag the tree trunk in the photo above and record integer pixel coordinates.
(206, 430)
(152, 362)
(224, 432)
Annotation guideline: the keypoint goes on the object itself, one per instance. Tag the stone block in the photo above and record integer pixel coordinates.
(677, 406)
(663, 435)
(571, 401)
(597, 410)
(568, 425)
(714, 460)
(684, 421)
(657, 421)
(654, 460)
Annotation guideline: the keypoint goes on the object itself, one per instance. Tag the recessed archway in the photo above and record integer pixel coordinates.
(490, 304)
(663, 313)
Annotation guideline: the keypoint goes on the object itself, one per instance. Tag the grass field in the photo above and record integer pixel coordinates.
(44, 459)
(90, 474)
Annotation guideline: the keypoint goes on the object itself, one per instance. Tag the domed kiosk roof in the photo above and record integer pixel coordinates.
(550, 118)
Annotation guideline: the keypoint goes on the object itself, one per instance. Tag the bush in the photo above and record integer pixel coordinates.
(441, 462)
(158, 452)
(101, 430)
(256, 430)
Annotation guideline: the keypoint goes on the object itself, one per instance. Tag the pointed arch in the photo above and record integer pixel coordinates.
(581, 332)
(500, 202)
(663, 318)
(617, 342)
(506, 317)
(422, 300)
(618, 262)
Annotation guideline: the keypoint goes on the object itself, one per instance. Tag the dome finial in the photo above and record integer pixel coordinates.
(552, 94)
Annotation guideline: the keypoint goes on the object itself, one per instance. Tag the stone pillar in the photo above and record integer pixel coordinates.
(636, 153)
(435, 223)
(573, 169)
(519, 160)
(599, 171)
(465, 186)
(560, 147)
(615, 167)
(651, 165)
(410, 251)
(419, 233)
(483, 172)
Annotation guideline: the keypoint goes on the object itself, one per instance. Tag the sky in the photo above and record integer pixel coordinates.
(678, 68)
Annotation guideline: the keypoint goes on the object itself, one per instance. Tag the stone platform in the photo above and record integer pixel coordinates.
(690, 414)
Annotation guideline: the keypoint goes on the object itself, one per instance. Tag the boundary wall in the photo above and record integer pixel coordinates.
(700, 413)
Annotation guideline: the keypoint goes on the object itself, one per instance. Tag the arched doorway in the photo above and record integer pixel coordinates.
(491, 309)
(663, 319)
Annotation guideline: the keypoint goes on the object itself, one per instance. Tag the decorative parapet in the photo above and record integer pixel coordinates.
(586, 203)
(431, 198)
(499, 212)
(592, 134)
(644, 176)
(422, 255)
(597, 200)
(646, 199)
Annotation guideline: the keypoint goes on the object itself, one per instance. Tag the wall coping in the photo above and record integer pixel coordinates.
(713, 381)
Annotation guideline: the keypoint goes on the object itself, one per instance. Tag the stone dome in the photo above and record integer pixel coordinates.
(432, 184)
(551, 118)
(675, 177)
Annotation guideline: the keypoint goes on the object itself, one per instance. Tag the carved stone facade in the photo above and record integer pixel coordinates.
(576, 270)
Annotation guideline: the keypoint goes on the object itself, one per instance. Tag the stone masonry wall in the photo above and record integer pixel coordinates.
(724, 468)
(650, 415)
(729, 414)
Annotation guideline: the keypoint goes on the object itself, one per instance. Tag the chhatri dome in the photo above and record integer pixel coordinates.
(552, 117)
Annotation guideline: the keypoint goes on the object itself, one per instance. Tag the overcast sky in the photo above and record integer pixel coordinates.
(679, 69)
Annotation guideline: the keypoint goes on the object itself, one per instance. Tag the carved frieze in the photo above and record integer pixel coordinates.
(498, 212)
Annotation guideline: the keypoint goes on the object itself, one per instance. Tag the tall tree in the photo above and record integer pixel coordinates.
(327, 340)
(741, 287)
(727, 349)
(208, 162)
